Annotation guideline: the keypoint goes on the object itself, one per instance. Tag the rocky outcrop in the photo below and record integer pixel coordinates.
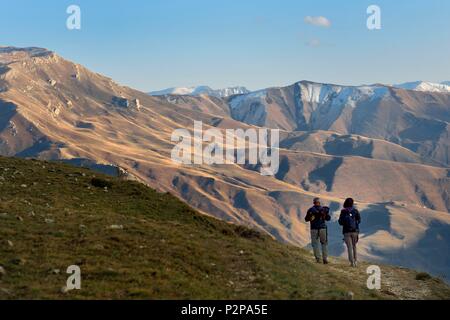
(125, 103)
(120, 102)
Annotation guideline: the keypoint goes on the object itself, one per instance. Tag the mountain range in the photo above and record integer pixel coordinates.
(423, 86)
(201, 90)
(387, 147)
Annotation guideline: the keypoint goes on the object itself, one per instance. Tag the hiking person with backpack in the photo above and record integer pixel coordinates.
(317, 216)
(350, 220)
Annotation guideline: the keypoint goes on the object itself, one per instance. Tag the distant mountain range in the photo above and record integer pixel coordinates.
(443, 87)
(201, 90)
(387, 147)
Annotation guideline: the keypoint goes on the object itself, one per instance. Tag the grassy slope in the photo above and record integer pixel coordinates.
(164, 251)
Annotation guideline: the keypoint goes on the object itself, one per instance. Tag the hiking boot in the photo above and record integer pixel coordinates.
(325, 261)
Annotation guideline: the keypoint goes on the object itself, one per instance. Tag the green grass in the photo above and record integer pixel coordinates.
(53, 216)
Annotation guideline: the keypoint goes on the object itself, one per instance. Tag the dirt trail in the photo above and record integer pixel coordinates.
(400, 284)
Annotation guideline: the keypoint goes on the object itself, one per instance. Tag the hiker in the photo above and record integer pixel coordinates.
(318, 216)
(350, 220)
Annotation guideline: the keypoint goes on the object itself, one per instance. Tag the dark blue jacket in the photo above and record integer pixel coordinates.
(344, 220)
(318, 216)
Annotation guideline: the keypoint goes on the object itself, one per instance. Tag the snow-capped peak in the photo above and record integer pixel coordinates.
(201, 90)
(425, 86)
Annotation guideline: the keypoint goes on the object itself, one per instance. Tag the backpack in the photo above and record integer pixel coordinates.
(322, 213)
(350, 222)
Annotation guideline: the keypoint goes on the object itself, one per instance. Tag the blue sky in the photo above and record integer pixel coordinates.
(154, 44)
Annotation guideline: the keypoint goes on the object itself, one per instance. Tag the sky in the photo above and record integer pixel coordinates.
(155, 44)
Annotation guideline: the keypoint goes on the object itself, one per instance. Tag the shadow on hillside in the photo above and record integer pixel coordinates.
(38, 147)
(7, 111)
(240, 201)
(374, 219)
(430, 254)
(346, 146)
(326, 173)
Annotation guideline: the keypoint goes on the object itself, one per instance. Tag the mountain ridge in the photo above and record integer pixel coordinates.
(443, 87)
(201, 90)
(423, 86)
(375, 111)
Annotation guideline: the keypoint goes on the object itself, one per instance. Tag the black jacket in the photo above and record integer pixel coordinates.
(344, 220)
(318, 216)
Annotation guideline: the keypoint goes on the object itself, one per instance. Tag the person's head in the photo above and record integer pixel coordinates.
(349, 203)
(316, 201)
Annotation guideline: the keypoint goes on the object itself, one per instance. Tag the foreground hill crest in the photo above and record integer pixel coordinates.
(132, 242)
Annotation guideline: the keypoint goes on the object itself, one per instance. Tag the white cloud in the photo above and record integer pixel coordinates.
(318, 21)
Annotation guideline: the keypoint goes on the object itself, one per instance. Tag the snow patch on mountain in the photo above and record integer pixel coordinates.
(343, 95)
(317, 92)
(424, 86)
(255, 96)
